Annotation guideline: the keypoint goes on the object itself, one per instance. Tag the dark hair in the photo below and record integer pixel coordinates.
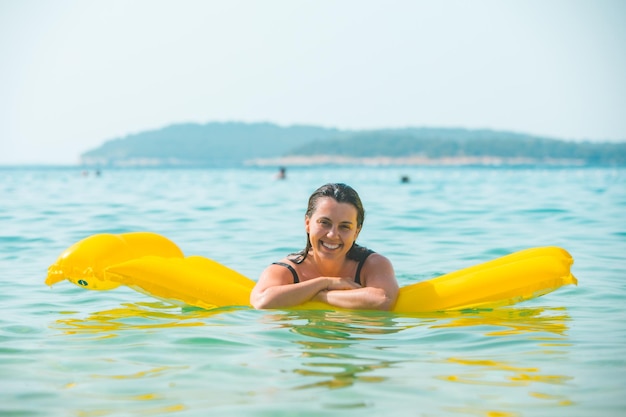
(341, 193)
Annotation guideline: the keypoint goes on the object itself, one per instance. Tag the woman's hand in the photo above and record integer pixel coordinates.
(340, 284)
(380, 292)
(335, 284)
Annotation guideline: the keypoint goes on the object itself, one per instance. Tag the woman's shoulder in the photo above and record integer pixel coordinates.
(375, 260)
(375, 257)
(285, 262)
(360, 253)
(378, 270)
(284, 270)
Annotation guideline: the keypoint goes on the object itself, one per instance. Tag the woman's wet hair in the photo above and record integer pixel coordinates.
(341, 193)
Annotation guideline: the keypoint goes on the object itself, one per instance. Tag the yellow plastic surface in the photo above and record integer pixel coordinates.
(84, 263)
(154, 265)
(503, 281)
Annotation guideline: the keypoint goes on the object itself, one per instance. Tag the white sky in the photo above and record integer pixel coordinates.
(77, 73)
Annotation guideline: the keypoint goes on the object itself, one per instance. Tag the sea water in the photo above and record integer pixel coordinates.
(67, 351)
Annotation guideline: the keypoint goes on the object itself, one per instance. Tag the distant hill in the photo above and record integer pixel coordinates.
(236, 144)
(470, 145)
(212, 144)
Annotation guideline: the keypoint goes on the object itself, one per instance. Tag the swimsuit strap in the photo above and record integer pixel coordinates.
(357, 277)
(289, 267)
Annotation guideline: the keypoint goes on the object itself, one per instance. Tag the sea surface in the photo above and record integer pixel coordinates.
(67, 351)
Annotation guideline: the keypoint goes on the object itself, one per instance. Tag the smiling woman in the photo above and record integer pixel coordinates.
(331, 268)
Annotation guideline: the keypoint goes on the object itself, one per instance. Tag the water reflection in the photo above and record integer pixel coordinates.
(541, 328)
(325, 346)
(501, 377)
(338, 370)
(135, 316)
(343, 349)
(511, 321)
(509, 375)
(347, 326)
(502, 349)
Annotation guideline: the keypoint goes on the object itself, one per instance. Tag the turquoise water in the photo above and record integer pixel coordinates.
(66, 351)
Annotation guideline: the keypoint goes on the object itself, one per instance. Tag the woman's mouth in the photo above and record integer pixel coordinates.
(330, 246)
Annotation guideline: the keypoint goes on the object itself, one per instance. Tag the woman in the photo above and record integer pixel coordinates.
(331, 268)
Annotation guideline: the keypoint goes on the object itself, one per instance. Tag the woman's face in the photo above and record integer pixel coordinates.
(332, 228)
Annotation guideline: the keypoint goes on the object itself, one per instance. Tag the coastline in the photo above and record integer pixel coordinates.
(415, 160)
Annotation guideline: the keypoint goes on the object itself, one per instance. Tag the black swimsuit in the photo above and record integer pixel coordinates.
(357, 277)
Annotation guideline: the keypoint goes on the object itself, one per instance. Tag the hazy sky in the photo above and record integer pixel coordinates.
(77, 73)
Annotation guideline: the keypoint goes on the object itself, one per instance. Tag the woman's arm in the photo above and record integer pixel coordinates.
(275, 288)
(380, 292)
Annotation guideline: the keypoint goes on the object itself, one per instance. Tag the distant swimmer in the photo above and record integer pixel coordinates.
(282, 173)
(405, 179)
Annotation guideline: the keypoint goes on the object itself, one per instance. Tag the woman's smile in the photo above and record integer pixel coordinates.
(330, 246)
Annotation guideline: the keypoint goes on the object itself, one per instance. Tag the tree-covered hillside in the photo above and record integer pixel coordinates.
(445, 143)
(212, 144)
(235, 144)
